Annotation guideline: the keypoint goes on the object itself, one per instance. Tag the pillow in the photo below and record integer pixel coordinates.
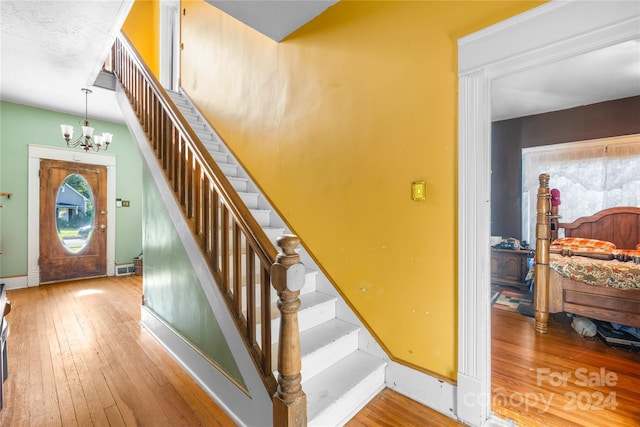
(579, 244)
(624, 254)
(638, 247)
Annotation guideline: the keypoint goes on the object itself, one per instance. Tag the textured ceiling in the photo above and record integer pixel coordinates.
(51, 49)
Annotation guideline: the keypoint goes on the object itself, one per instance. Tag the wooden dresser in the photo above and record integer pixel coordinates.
(509, 267)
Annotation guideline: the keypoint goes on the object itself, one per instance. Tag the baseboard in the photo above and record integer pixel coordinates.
(226, 393)
(423, 388)
(16, 282)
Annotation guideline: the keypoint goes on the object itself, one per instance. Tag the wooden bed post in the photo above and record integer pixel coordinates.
(543, 240)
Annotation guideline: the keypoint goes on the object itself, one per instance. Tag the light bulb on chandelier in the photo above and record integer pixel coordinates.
(88, 141)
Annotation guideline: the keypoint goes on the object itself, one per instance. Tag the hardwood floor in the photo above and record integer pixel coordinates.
(560, 378)
(393, 409)
(79, 357)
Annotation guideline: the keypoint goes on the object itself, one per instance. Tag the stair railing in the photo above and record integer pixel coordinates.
(239, 253)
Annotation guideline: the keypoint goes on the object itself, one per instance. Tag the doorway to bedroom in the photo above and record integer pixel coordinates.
(526, 366)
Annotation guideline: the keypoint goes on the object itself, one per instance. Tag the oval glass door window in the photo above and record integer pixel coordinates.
(74, 213)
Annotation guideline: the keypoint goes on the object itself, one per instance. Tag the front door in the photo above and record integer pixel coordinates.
(73, 219)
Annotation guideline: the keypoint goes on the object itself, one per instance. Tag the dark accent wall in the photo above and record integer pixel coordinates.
(509, 137)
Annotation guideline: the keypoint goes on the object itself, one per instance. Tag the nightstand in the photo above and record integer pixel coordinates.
(510, 267)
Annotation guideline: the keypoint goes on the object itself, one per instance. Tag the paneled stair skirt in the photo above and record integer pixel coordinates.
(338, 377)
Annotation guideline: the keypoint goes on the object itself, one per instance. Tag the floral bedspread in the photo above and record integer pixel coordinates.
(595, 272)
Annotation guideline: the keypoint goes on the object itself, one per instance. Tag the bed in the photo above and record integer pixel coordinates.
(579, 280)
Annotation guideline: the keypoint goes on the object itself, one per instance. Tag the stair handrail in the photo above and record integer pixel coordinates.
(208, 198)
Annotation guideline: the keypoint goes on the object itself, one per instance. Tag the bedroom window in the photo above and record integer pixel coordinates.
(591, 176)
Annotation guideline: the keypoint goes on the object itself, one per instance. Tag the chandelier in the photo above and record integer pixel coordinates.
(88, 140)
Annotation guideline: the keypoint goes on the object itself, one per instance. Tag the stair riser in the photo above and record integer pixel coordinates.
(351, 402)
(205, 136)
(219, 157)
(215, 147)
(309, 286)
(307, 318)
(318, 361)
(249, 199)
(228, 170)
(238, 183)
(262, 216)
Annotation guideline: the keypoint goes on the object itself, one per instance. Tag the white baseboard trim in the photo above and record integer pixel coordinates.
(494, 421)
(231, 398)
(423, 388)
(17, 282)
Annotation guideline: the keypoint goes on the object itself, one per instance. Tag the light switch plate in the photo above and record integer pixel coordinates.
(419, 190)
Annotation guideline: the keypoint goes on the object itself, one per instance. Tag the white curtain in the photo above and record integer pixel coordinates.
(591, 176)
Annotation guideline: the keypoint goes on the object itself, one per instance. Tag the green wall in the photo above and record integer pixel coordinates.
(171, 288)
(22, 126)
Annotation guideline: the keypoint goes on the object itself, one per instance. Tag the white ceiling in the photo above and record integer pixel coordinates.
(51, 49)
(593, 77)
(274, 18)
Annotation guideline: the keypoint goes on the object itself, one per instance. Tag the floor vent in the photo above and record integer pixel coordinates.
(124, 269)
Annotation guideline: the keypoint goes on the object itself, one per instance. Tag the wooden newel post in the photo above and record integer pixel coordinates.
(543, 240)
(287, 276)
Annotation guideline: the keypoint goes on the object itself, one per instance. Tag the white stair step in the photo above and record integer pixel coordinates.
(240, 184)
(263, 216)
(213, 145)
(322, 346)
(182, 104)
(249, 199)
(343, 389)
(178, 98)
(273, 233)
(326, 344)
(199, 127)
(309, 286)
(315, 308)
(204, 134)
(219, 157)
(190, 115)
(228, 169)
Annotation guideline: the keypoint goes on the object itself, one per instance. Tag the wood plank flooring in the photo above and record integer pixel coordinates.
(560, 378)
(392, 409)
(79, 357)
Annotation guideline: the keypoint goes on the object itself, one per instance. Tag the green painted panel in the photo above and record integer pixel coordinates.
(171, 288)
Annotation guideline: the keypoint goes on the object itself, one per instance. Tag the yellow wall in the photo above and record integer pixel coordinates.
(335, 122)
(142, 27)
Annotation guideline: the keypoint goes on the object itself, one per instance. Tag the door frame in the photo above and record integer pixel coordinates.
(546, 34)
(37, 152)
(170, 44)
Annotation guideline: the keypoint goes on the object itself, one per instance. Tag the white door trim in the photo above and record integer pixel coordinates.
(548, 33)
(37, 152)
(170, 44)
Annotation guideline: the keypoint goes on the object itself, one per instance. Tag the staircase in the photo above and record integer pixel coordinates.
(337, 376)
